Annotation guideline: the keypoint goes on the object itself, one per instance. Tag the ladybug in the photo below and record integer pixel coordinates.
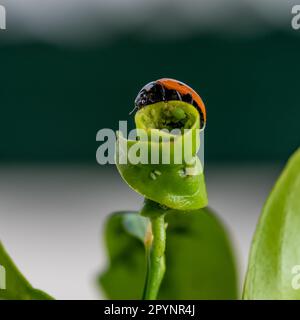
(166, 89)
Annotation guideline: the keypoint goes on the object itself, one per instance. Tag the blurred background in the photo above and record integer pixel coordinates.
(69, 68)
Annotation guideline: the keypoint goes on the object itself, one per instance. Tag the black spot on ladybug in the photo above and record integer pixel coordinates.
(187, 98)
(172, 95)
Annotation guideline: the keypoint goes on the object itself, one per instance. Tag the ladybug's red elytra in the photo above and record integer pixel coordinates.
(166, 89)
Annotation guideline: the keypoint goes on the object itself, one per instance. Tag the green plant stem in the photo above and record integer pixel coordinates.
(155, 244)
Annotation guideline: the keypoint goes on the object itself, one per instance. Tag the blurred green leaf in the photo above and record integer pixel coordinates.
(17, 287)
(274, 264)
(124, 278)
(200, 263)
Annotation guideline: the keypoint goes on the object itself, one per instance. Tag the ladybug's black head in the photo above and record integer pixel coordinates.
(151, 93)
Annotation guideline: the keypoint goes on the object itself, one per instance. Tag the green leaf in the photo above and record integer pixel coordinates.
(17, 287)
(273, 270)
(124, 278)
(180, 184)
(199, 259)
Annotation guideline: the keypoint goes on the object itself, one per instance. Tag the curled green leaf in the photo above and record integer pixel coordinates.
(179, 183)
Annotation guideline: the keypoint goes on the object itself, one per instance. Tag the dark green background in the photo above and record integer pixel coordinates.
(54, 99)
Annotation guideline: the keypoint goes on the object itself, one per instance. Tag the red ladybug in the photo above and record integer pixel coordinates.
(166, 89)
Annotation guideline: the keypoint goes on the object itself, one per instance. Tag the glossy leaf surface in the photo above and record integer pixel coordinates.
(274, 265)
